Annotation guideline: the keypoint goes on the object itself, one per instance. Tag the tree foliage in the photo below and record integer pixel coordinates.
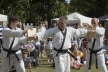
(92, 8)
(48, 9)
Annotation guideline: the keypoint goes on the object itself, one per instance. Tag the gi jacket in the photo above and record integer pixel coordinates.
(9, 34)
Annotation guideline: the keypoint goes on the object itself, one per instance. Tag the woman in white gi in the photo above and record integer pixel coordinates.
(12, 37)
(95, 46)
(61, 56)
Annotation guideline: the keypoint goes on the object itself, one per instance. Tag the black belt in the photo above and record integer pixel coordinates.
(11, 52)
(60, 51)
(64, 51)
(93, 52)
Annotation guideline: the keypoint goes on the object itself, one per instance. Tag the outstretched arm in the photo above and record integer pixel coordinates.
(13, 33)
(80, 32)
(45, 34)
(100, 31)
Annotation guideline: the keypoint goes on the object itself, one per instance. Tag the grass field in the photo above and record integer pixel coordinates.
(47, 68)
(50, 69)
(44, 67)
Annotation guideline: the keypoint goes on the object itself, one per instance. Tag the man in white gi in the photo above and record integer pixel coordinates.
(12, 37)
(95, 46)
(62, 36)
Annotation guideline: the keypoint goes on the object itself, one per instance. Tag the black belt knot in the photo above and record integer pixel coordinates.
(11, 52)
(61, 50)
(64, 51)
(95, 51)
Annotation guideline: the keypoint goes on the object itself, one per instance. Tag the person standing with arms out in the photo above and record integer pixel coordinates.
(62, 36)
(95, 46)
(12, 38)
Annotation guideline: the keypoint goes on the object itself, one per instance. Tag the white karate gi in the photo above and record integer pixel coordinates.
(100, 32)
(62, 61)
(8, 35)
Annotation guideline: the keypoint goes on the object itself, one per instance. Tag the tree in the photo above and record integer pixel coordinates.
(92, 8)
(48, 9)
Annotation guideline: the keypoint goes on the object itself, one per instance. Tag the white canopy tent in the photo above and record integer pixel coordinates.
(77, 18)
(106, 19)
(3, 19)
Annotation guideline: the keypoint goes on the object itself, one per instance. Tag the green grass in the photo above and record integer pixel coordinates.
(46, 68)
(50, 69)
(43, 69)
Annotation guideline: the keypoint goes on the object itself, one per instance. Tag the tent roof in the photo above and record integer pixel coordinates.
(77, 18)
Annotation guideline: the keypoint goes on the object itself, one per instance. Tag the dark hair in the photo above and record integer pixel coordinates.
(63, 17)
(12, 19)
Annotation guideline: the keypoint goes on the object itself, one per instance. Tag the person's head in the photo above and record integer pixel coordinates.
(46, 23)
(95, 22)
(25, 53)
(62, 22)
(13, 22)
(19, 25)
(76, 25)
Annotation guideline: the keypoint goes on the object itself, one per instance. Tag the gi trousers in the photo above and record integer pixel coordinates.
(62, 62)
(100, 62)
(7, 64)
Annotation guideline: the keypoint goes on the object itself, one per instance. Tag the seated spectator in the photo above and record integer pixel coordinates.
(27, 60)
(77, 63)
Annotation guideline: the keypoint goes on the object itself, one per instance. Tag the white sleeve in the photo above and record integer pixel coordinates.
(40, 34)
(45, 34)
(81, 32)
(49, 33)
(12, 33)
(100, 31)
(23, 39)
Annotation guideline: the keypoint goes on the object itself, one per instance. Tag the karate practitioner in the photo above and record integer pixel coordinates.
(95, 46)
(12, 38)
(62, 36)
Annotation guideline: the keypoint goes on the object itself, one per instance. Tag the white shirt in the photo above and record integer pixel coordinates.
(57, 36)
(50, 45)
(37, 43)
(42, 31)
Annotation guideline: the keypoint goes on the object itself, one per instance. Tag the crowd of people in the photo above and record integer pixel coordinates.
(65, 46)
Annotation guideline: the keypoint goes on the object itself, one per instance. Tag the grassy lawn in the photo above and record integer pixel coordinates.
(46, 68)
(50, 69)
